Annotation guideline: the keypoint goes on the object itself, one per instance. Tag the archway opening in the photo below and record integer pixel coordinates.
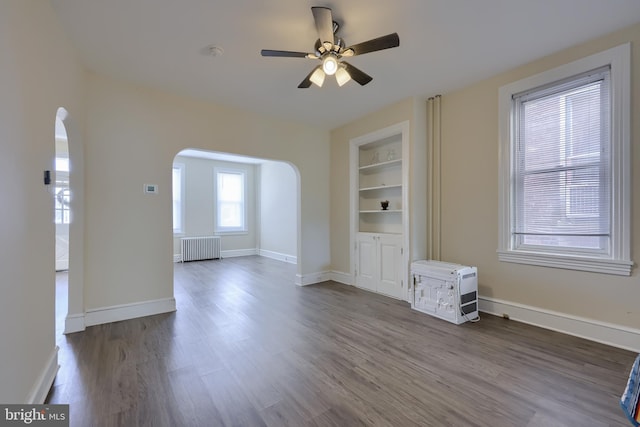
(263, 220)
(62, 219)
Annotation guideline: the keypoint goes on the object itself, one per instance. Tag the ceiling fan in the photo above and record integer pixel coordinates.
(331, 49)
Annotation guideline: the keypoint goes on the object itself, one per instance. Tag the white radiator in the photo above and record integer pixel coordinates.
(199, 248)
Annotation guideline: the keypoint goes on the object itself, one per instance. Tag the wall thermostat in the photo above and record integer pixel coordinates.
(151, 188)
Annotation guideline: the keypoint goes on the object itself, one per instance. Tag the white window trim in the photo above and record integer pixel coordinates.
(181, 231)
(618, 261)
(230, 230)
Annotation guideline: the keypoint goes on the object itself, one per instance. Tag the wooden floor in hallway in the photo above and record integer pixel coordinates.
(247, 347)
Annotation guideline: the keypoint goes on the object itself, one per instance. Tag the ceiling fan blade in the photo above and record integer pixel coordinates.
(324, 24)
(356, 74)
(307, 80)
(373, 45)
(285, 53)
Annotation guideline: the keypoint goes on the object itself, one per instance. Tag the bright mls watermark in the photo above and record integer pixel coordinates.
(34, 415)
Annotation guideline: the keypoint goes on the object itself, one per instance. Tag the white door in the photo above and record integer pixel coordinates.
(390, 260)
(367, 271)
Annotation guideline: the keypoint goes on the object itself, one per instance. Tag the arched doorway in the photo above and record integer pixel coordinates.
(68, 191)
(62, 219)
(62, 197)
(273, 204)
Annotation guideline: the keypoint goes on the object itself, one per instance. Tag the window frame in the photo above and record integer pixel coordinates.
(219, 229)
(617, 259)
(181, 167)
(62, 203)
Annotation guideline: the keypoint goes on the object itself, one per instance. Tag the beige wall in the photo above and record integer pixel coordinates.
(470, 202)
(133, 135)
(278, 200)
(38, 74)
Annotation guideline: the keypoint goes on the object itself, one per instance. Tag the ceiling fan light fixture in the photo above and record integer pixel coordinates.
(330, 49)
(330, 65)
(317, 77)
(342, 76)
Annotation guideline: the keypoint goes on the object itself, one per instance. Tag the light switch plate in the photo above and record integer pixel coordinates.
(151, 188)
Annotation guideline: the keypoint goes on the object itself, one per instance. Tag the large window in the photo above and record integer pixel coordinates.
(565, 166)
(230, 200)
(178, 198)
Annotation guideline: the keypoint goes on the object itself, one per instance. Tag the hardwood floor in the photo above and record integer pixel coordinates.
(249, 348)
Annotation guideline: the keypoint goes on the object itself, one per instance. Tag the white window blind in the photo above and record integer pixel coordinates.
(562, 190)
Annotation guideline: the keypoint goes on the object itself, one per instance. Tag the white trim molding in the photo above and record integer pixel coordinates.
(312, 278)
(116, 313)
(593, 330)
(595, 265)
(342, 277)
(43, 384)
(278, 256)
(238, 252)
(74, 323)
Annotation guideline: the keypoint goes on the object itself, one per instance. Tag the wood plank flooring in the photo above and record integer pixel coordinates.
(249, 348)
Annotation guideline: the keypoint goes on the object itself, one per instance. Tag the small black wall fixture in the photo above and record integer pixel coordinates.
(47, 177)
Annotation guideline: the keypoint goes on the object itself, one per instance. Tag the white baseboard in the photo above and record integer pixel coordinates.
(74, 323)
(605, 333)
(231, 254)
(238, 252)
(341, 277)
(312, 278)
(117, 313)
(249, 252)
(278, 256)
(43, 383)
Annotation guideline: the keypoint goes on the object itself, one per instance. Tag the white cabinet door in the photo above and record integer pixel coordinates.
(389, 259)
(379, 263)
(367, 270)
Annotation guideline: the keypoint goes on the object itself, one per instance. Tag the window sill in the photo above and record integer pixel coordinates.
(231, 233)
(567, 262)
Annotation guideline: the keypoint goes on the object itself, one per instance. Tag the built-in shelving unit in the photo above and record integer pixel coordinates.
(379, 233)
(380, 179)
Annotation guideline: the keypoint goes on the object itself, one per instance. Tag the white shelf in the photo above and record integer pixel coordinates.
(375, 166)
(381, 211)
(381, 187)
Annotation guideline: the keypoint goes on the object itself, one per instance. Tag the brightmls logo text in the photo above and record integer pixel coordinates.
(36, 415)
(26, 416)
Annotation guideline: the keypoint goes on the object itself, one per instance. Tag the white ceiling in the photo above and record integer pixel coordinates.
(226, 157)
(444, 45)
